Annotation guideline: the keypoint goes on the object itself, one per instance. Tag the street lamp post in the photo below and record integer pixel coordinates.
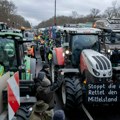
(55, 14)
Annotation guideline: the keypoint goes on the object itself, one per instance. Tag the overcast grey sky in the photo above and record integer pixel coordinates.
(36, 11)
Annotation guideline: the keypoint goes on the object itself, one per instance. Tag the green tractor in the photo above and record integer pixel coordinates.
(13, 59)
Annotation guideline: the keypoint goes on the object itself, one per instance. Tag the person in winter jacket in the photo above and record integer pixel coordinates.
(40, 111)
(45, 90)
(46, 69)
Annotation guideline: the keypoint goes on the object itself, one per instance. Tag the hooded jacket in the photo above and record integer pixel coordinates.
(47, 93)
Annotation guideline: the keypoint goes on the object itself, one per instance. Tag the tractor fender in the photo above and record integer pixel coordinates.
(58, 58)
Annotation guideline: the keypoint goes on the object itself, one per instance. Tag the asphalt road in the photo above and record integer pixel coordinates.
(94, 112)
(105, 112)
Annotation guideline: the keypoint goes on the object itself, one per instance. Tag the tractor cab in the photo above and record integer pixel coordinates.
(110, 43)
(9, 49)
(13, 57)
(78, 40)
(8, 54)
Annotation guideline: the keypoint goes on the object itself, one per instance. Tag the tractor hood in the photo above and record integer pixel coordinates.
(97, 64)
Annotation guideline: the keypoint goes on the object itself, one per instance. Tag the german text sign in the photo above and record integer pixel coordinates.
(104, 92)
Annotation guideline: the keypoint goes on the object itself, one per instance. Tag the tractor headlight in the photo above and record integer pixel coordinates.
(109, 51)
(96, 72)
(67, 52)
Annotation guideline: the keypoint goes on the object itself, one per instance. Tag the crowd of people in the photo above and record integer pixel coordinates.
(45, 94)
(43, 109)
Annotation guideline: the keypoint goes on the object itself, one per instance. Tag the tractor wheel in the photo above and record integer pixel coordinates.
(23, 113)
(78, 94)
(71, 94)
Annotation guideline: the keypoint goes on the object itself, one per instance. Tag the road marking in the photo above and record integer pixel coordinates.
(87, 113)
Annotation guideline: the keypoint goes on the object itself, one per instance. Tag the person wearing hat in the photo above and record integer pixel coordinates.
(45, 90)
(40, 111)
(59, 115)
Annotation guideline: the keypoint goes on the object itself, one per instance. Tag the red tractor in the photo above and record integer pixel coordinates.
(86, 70)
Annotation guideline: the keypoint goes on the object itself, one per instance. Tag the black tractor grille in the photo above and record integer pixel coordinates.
(102, 62)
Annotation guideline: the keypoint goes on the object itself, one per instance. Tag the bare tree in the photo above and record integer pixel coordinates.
(8, 15)
(113, 11)
(108, 12)
(115, 8)
(6, 9)
(94, 12)
(74, 14)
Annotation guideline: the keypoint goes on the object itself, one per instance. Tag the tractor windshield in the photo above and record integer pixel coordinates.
(7, 53)
(80, 42)
(112, 38)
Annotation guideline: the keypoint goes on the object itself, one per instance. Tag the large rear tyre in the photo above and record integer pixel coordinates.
(23, 113)
(71, 94)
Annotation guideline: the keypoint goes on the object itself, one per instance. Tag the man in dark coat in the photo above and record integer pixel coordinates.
(46, 69)
(45, 90)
